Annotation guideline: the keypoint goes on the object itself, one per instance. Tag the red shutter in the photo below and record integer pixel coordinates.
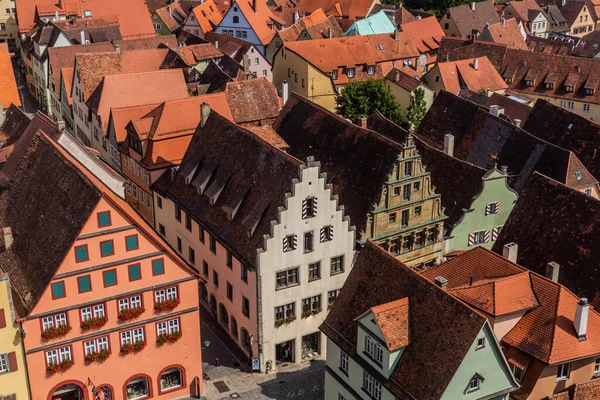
(12, 362)
(2, 318)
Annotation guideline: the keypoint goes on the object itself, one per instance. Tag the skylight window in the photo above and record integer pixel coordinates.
(380, 47)
(578, 175)
(87, 13)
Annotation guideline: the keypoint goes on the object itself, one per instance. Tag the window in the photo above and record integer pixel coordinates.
(159, 201)
(157, 26)
(158, 267)
(588, 191)
(392, 218)
(371, 386)
(474, 384)
(56, 356)
(406, 192)
(229, 291)
(337, 265)
(597, 367)
(4, 359)
(58, 290)
(165, 327)
(517, 372)
(478, 237)
(437, 78)
(179, 245)
(405, 217)
(84, 284)
(107, 248)
(177, 213)
(95, 345)
(54, 321)
(192, 256)
(586, 107)
(563, 372)
(492, 208)
(137, 388)
(290, 243)
(334, 74)
(135, 272)
(308, 242)
(397, 191)
(417, 211)
(103, 219)
(374, 350)
(350, 72)
(309, 207)
(370, 69)
(229, 259)
(205, 268)
(416, 186)
(110, 277)
(236, 19)
(569, 105)
(131, 243)
(344, 361)
(332, 297)
(201, 234)
(81, 253)
(326, 233)
(244, 270)
(286, 311)
(128, 303)
(215, 278)
(287, 278)
(171, 378)
(480, 343)
(314, 271)
(245, 306)
(213, 245)
(96, 311)
(408, 167)
(311, 304)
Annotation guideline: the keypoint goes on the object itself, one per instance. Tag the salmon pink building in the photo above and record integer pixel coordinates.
(107, 309)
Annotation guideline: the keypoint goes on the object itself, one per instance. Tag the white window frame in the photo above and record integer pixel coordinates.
(126, 338)
(4, 363)
(160, 296)
(52, 356)
(47, 322)
(344, 363)
(162, 328)
(90, 347)
(477, 384)
(138, 335)
(563, 371)
(99, 311)
(597, 367)
(477, 235)
(86, 313)
(480, 343)
(172, 293)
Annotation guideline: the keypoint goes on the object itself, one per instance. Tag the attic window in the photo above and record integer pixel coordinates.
(380, 46)
(350, 72)
(589, 91)
(474, 384)
(334, 74)
(508, 80)
(578, 175)
(549, 85)
(87, 13)
(529, 83)
(370, 69)
(569, 88)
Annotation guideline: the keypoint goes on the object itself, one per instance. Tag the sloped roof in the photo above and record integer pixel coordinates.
(252, 100)
(172, 15)
(15, 124)
(263, 174)
(136, 89)
(427, 33)
(216, 76)
(393, 319)
(377, 278)
(259, 19)
(589, 390)
(508, 33)
(233, 47)
(315, 24)
(455, 74)
(588, 46)
(372, 25)
(266, 133)
(195, 53)
(95, 30)
(523, 7)
(353, 9)
(208, 15)
(121, 116)
(570, 236)
(454, 49)
(512, 108)
(567, 130)
(402, 79)
(467, 20)
(9, 94)
(357, 161)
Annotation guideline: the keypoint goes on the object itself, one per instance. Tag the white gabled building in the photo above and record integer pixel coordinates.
(266, 233)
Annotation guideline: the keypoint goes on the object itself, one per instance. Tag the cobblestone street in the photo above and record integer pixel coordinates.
(230, 381)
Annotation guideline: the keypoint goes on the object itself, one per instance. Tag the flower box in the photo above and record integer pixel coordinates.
(279, 322)
(97, 356)
(167, 305)
(131, 313)
(306, 314)
(316, 311)
(61, 366)
(285, 321)
(289, 320)
(168, 338)
(133, 348)
(94, 323)
(53, 332)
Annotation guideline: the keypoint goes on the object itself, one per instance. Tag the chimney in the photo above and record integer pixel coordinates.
(418, 17)
(296, 17)
(504, 169)
(503, 21)
(563, 3)
(441, 281)
(488, 92)
(217, 44)
(362, 122)
(510, 252)
(397, 75)
(449, 144)
(117, 48)
(246, 64)
(581, 318)
(421, 63)
(329, 33)
(61, 125)
(56, 15)
(204, 113)
(475, 64)
(472, 6)
(173, 173)
(396, 34)
(82, 37)
(496, 110)
(8, 237)
(284, 91)
(552, 270)
(517, 122)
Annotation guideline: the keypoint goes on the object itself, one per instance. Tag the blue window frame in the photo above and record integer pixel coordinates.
(131, 242)
(104, 219)
(81, 253)
(107, 248)
(158, 267)
(58, 290)
(84, 283)
(135, 272)
(110, 278)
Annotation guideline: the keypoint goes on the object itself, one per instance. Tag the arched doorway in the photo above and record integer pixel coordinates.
(223, 316)
(234, 327)
(213, 304)
(104, 392)
(69, 390)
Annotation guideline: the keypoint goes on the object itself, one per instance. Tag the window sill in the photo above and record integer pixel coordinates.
(336, 273)
(287, 286)
(367, 355)
(562, 379)
(314, 279)
(344, 372)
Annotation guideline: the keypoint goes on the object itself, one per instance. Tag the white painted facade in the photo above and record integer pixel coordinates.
(82, 127)
(256, 285)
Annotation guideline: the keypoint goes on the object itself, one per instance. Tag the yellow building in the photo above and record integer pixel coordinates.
(9, 30)
(403, 87)
(319, 69)
(13, 373)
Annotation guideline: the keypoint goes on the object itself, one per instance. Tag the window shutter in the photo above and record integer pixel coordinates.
(2, 318)
(322, 235)
(471, 239)
(330, 232)
(294, 242)
(285, 244)
(304, 208)
(488, 209)
(496, 233)
(315, 206)
(12, 362)
(496, 207)
(486, 237)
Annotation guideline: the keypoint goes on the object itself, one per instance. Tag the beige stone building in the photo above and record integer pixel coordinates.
(9, 30)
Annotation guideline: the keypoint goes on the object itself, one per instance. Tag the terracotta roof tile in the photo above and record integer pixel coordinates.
(268, 134)
(9, 94)
(427, 33)
(172, 15)
(259, 19)
(454, 74)
(252, 100)
(353, 9)
(512, 108)
(121, 116)
(195, 53)
(549, 46)
(467, 20)
(454, 49)
(508, 33)
(208, 15)
(14, 126)
(233, 47)
(523, 7)
(378, 278)
(316, 26)
(393, 319)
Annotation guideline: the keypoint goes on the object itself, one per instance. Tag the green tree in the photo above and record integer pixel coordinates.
(417, 109)
(360, 99)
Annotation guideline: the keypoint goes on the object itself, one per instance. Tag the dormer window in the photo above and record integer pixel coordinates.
(87, 13)
(374, 350)
(474, 383)
(334, 74)
(350, 72)
(589, 92)
(371, 69)
(508, 80)
(569, 88)
(550, 86)
(529, 83)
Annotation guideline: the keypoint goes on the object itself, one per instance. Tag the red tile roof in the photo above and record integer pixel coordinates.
(172, 15)
(426, 32)
(208, 15)
(121, 116)
(195, 53)
(353, 9)
(259, 19)
(393, 319)
(467, 20)
(252, 100)
(316, 25)
(508, 33)
(9, 94)
(456, 73)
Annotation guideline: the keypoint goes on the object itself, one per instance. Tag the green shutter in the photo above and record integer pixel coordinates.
(81, 253)
(103, 219)
(110, 278)
(135, 272)
(58, 290)
(84, 283)
(131, 242)
(158, 267)
(106, 248)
